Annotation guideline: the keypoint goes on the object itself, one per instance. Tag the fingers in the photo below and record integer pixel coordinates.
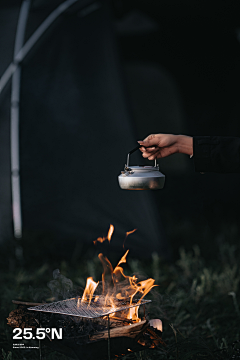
(158, 153)
(150, 147)
(147, 153)
(147, 149)
(154, 156)
(151, 140)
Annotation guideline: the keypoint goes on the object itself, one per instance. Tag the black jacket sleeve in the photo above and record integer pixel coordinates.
(216, 154)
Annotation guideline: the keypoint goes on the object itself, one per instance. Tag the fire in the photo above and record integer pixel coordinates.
(89, 291)
(123, 259)
(109, 236)
(107, 273)
(110, 232)
(128, 233)
(118, 286)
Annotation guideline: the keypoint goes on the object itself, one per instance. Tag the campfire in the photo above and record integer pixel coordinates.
(110, 309)
(118, 289)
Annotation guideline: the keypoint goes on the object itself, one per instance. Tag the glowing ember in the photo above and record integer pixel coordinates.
(116, 285)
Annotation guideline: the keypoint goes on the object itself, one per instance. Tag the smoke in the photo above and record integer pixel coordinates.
(61, 287)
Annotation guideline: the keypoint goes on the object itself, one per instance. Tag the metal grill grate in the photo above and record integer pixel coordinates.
(94, 310)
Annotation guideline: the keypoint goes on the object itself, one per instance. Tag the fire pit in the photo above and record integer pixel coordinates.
(105, 325)
(95, 309)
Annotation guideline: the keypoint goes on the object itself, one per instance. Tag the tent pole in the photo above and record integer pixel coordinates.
(14, 70)
(14, 122)
(24, 50)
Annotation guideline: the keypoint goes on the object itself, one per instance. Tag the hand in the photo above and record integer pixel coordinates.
(162, 145)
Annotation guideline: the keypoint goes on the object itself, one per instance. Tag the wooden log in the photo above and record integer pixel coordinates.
(21, 318)
(27, 303)
(130, 331)
(123, 338)
(116, 318)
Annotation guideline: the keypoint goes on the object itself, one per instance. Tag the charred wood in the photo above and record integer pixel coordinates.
(130, 331)
(87, 338)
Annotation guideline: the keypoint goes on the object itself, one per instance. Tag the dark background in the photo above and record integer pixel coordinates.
(195, 47)
(179, 71)
(96, 82)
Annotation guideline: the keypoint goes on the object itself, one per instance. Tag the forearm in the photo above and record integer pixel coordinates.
(210, 153)
(185, 144)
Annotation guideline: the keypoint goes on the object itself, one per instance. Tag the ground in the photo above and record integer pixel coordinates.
(197, 298)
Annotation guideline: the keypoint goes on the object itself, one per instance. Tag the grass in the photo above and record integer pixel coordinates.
(197, 299)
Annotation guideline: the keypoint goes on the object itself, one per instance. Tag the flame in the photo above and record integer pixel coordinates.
(128, 233)
(88, 292)
(123, 259)
(118, 286)
(110, 232)
(107, 272)
(101, 240)
(109, 236)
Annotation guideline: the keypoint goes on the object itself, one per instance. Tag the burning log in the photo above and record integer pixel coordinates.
(119, 340)
(130, 331)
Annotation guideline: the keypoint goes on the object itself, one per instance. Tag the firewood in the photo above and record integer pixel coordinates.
(116, 318)
(21, 318)
(155, 335)
(130, 331)
(17, 302)
(85, 345)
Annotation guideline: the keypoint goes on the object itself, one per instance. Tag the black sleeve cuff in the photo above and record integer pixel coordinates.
(202, 153)
(216, 154)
